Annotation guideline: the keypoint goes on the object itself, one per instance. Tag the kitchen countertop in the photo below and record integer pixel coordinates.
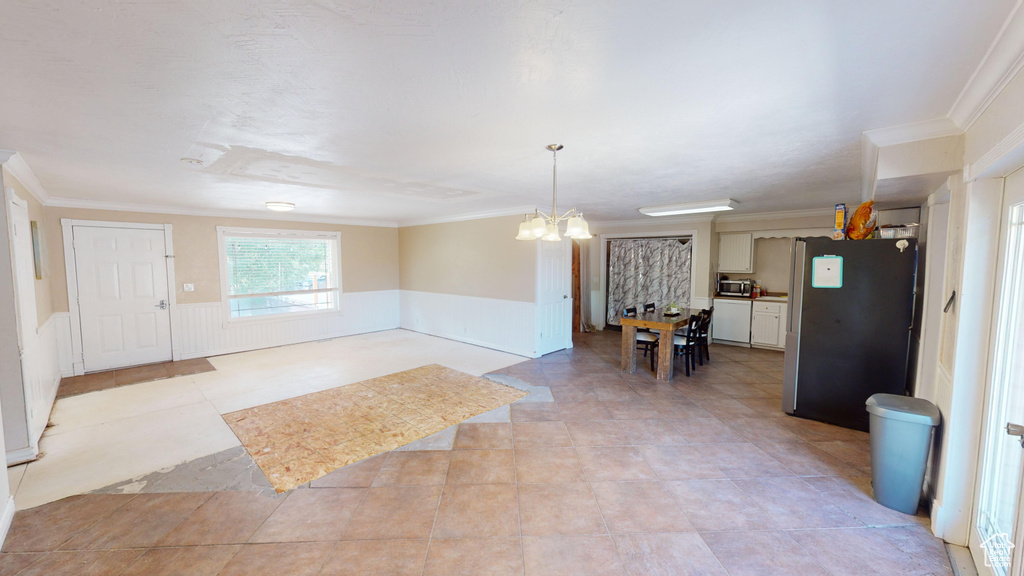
(783, 298)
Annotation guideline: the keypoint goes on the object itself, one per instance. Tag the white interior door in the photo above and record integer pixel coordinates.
(122, 296)
(24, 272)
(997, 536)
(554, 302)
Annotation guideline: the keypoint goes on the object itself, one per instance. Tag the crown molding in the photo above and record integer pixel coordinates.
(154, 209)
(20, 170)
(811, 213)
(914, 131)
(515, 211)
(1005, 57)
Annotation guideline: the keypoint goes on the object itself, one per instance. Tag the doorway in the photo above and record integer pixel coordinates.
(577, 292)
(996, 537)
(120, 287)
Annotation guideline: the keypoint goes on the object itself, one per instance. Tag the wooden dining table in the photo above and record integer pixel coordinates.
(665, 325)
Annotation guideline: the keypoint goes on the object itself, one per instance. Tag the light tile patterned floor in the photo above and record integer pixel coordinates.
(620, 475)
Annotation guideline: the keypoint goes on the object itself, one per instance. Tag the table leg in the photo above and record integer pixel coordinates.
(665, 356)
(629, 349)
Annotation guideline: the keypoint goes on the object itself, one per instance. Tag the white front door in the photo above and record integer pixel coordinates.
(554, 304)
(997, 536)
(122, 296)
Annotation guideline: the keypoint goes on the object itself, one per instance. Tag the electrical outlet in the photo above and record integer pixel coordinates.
(189, 287)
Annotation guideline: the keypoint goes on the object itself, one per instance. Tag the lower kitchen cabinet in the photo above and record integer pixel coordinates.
(767, 324)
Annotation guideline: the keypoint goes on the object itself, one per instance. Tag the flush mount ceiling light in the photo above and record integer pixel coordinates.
(280, 206)
(544, 226)
(192, 161)
(690, 207)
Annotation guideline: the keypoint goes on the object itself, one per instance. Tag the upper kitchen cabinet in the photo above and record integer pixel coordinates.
(736, 252)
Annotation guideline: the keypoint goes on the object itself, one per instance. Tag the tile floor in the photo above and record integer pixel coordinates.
(118, 434)
(619, 474)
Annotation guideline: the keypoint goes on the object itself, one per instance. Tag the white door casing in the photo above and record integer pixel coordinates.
(998, 525)
(554, 301)
(17, 404)
(122, 292)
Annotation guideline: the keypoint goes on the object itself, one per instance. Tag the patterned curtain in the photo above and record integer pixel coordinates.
(641, 271)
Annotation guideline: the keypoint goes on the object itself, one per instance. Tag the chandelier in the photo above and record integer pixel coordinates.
(545, 226)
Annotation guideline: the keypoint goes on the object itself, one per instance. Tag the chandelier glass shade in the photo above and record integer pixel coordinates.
(541, 226)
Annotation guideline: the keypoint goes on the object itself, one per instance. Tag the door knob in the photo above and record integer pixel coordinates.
(162, 305)
(1016, 430)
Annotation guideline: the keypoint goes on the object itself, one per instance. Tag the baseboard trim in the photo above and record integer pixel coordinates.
(480, 343)
(6, 519)
(240, 349)
(22, 455)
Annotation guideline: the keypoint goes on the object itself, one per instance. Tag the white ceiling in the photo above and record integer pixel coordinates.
(412, 109)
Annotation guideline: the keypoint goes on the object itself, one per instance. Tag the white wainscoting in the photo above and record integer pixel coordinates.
(42, 375)
(203, 331)
(41, 390)
(62, 332)
(505, 325)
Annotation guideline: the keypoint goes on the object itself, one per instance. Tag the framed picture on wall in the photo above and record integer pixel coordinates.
(37, 258)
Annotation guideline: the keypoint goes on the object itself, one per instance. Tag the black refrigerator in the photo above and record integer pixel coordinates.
(851, 310)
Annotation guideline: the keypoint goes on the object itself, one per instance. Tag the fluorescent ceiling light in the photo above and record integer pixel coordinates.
(280, 206)
(690, 208)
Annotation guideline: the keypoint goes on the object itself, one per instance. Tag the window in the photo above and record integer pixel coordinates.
(274, 272)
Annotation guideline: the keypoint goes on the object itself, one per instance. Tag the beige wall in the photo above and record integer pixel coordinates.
(44, 307)
(369, 255)
(771, 264)
(478, 258)
(769, 223)
(771, 259)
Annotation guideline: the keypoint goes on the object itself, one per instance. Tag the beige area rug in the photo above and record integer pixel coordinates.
(301, 439)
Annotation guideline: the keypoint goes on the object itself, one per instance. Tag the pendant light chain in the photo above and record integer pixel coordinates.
(554, 183)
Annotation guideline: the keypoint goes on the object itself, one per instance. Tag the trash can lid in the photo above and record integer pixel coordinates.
(905, 408)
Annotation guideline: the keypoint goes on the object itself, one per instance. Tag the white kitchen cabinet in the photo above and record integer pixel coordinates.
(736, 252)
(768, 324)
(784, 317)
(731, 321)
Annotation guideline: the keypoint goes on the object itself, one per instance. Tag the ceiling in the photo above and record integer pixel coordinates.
(413, 110)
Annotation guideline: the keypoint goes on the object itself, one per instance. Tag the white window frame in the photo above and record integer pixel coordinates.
(225, 297)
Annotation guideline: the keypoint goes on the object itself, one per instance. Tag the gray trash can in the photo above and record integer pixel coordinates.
(901, 434)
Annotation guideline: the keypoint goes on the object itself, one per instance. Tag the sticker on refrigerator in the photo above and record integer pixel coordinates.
(827, 272)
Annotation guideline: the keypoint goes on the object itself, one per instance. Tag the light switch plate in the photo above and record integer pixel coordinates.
(189, 287)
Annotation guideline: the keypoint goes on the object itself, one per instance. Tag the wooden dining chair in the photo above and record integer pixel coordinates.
(684, 345)
(649, 307)
(701, 339)
(645, 340)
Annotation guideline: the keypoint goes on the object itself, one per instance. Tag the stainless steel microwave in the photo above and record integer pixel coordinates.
(735, 287)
